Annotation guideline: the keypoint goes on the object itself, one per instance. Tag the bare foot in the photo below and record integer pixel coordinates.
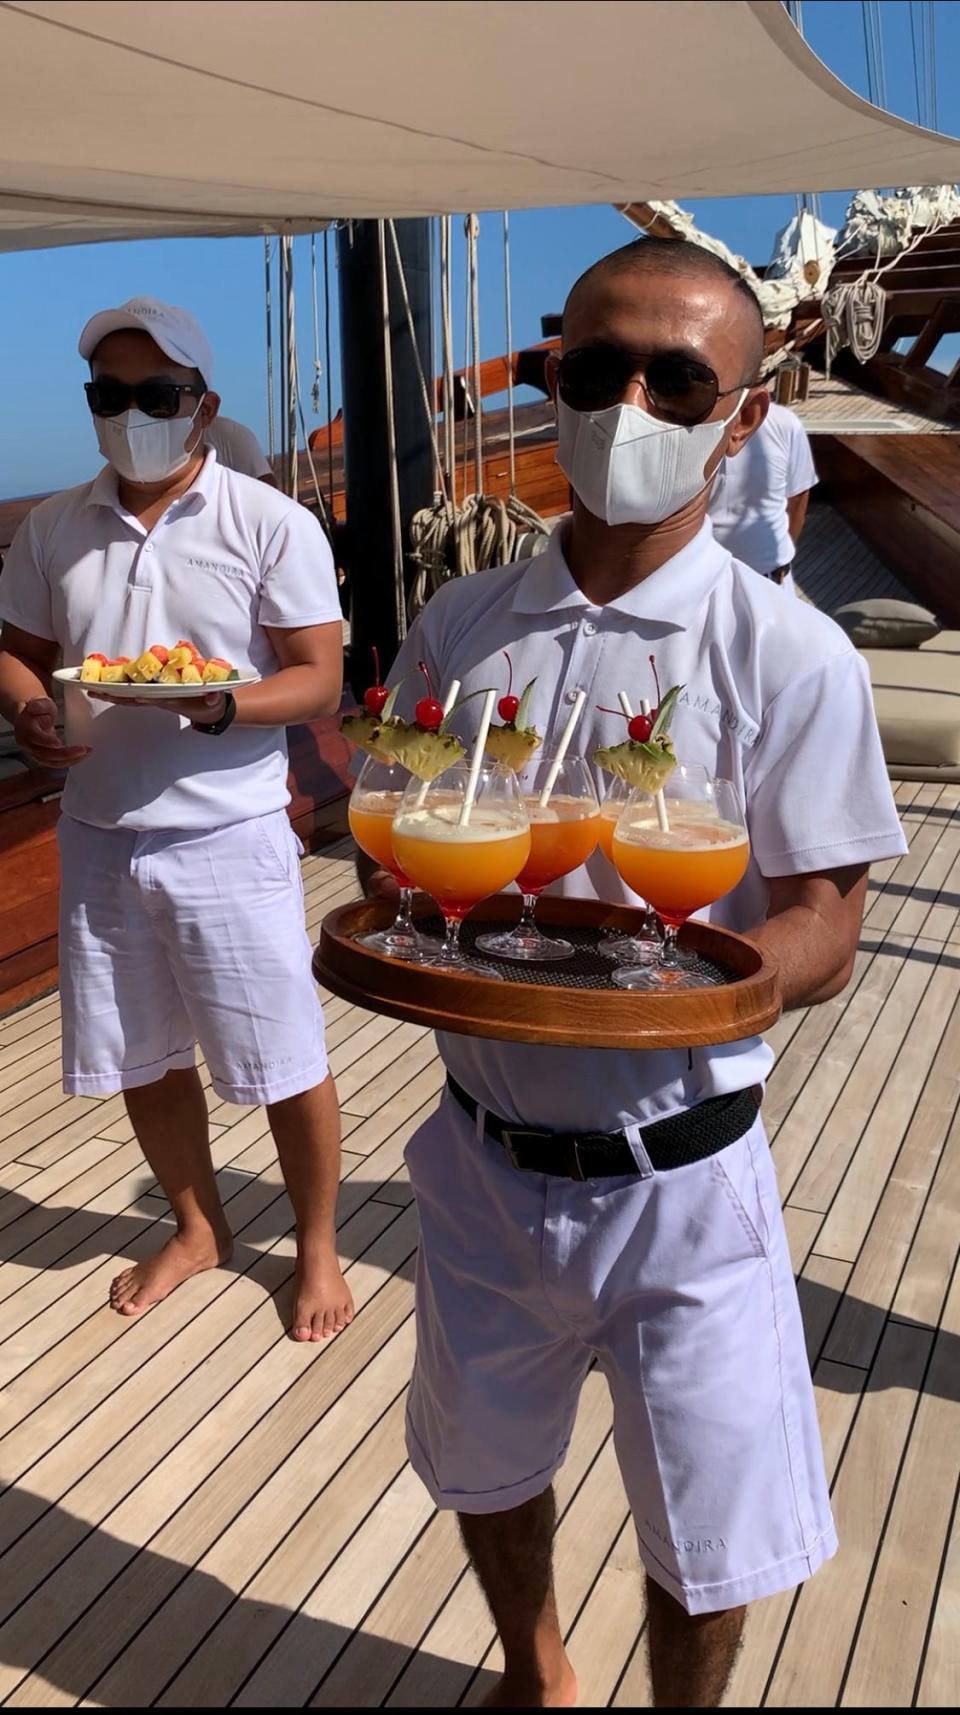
(323, 1302)
(515, 1691)
(138, 1289)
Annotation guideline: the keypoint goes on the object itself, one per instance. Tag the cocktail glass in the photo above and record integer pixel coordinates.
(699, 857)
(459, 855)
(645, 944)
(374, 802)
(563, 832)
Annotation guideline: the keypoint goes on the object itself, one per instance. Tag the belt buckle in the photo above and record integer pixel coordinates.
(508, 1135)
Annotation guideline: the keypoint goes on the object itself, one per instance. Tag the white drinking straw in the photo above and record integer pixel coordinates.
(448, 703)
(658, 797)
(562, 748)
(624, 702)
(477, 760)
(451, 697)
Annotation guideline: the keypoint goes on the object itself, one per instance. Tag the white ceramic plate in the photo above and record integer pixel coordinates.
(155, 693)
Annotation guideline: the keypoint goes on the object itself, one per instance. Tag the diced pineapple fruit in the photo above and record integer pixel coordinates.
(181, 656)
(215, 673)
(191, 676)
(170, 675)
(92, 670)
(146, 668)
(114, 673)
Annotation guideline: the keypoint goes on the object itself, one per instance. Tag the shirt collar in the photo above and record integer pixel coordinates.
(670, 596)
(105, 488)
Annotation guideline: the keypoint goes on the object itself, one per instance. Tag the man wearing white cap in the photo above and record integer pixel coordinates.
(181, 902)
(618, 1208)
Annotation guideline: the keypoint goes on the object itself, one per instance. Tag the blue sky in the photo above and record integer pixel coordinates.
(47, 438)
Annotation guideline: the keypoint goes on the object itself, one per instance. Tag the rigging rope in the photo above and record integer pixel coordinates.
(290, 430)
(472, 227)
(508, 320)
(854, 314)
(873, 48)
(326, 340)
(396, 521)
(450, 539)
(315, 305)
(268, 304)
(428, 409)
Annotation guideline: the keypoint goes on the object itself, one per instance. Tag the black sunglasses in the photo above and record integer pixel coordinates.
(156, 398)
(679, 388)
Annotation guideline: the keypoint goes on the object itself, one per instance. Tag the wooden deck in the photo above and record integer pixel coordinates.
(198, 1512)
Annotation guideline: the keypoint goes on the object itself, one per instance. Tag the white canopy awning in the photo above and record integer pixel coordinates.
(223, 116)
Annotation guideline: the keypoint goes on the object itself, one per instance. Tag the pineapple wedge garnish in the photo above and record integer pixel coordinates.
(649, 765)
(425, 754)
(513, 744)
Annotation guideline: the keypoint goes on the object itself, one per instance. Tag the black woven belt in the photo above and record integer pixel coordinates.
(673, 1142)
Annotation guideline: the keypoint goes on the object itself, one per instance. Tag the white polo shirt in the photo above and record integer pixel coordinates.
(785, 712)
(228, 558)
(748, 505)
(237, 447)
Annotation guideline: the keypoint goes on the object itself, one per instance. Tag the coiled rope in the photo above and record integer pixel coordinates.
(451, 539)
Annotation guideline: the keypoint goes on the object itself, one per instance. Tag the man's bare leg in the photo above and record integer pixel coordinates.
(306, 1131)
(512, 1555)
(170, 1121)
(691, 1655)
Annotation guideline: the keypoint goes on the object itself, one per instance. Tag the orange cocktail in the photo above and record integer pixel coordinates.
(563, 833)
(679, 872)
(459, 866)
(610, 814)
(371, 822)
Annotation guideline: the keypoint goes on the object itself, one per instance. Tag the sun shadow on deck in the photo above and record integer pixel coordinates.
(146, 1635)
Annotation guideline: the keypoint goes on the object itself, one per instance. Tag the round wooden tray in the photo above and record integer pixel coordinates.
(570, 1004)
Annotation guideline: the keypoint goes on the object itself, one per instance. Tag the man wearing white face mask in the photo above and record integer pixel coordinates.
(582, 1206)
(181, 903)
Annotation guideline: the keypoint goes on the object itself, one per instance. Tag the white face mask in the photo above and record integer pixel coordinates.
(630, 468)
(146, 449)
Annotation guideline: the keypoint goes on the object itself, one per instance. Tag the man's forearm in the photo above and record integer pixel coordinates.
(813, 965)
(294, 694)
(20, 682)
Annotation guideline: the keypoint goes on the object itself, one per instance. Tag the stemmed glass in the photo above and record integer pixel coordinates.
(460, 852)
(374, 802)
(564, 830)
(645, 943)
(700, 855)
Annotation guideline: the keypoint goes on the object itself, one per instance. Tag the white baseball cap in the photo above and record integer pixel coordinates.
(174, 330)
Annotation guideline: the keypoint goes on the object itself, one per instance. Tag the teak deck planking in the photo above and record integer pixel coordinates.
(197, 1512)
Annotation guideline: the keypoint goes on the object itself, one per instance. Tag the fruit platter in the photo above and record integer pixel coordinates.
(159, 673)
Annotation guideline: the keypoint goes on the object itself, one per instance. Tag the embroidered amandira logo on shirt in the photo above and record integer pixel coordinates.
(708, 704)
(228, 570)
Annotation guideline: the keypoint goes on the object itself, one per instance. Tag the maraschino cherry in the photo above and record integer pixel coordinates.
(508, 707)
(639, 727)
(428, 713)
(375, 697)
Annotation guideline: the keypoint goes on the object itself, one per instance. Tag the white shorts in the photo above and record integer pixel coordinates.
(679, 1285)
(171, 939)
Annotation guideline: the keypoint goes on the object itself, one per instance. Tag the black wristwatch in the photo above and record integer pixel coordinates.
(215, 728)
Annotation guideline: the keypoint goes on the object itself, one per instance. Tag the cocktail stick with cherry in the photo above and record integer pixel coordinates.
(647, 757)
